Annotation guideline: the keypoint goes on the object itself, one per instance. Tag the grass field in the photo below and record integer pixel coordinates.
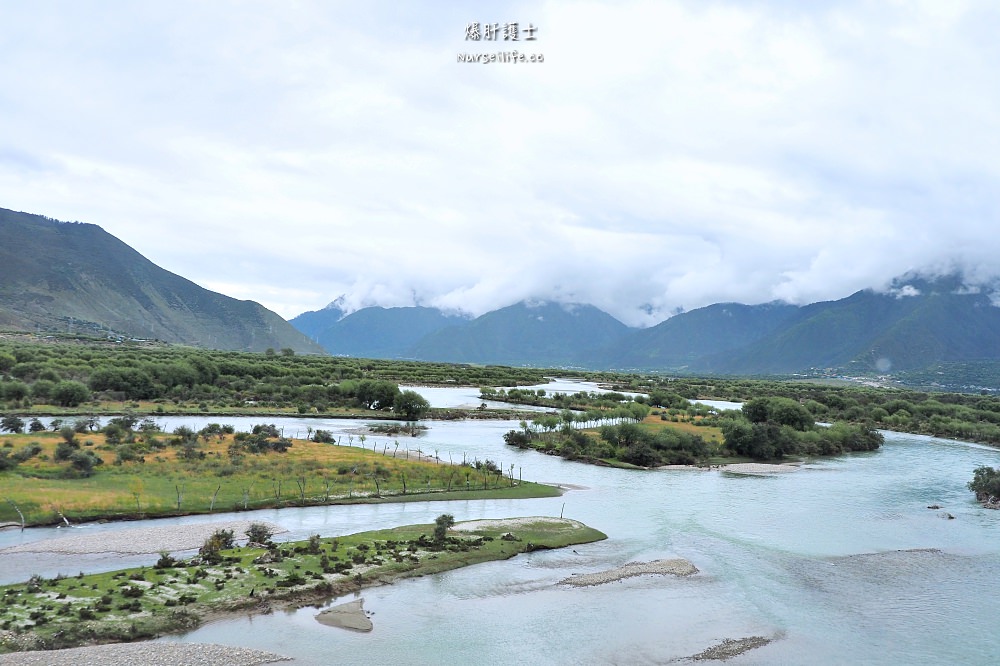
(167, 484)
(710, 434)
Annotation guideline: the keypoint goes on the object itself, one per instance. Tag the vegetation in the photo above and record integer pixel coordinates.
(972, 417)
(129, 469)
(772, 428)
(172, 596)
(765, 429)
(986, 484)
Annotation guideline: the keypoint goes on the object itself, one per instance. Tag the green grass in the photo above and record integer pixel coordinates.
(328, 474)
(141, 603)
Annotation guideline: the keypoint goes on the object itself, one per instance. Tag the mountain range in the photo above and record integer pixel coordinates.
(74, 277)
(915, 324)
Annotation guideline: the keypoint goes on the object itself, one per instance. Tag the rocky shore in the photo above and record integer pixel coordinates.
(147, 654)
(673, 567)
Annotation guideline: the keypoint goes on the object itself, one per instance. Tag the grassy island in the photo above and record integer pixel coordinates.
(174, 596)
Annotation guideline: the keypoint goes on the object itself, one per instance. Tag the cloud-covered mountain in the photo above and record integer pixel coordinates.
(913, 324)
(60, 276)
(540, 334)
(377, 332)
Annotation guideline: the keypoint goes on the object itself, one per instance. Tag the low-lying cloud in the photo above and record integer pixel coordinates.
(663, 157)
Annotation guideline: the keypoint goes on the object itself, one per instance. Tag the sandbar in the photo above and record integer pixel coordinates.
(673, 567)
(350, 615)
(138, 541)
(146, 653)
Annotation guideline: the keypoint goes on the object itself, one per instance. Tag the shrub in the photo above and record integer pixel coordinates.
(259, 533)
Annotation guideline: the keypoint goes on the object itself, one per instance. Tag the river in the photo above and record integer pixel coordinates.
(839, 562)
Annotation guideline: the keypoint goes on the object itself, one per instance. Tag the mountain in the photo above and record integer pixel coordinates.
(377, 332)
(61, 276)
(917, 323)
(541, 334)
(689, 336)
(314, 322)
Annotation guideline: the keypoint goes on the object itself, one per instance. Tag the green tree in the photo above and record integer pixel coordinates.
(410, 405)
(441, 526)
(70, 393)
(11, 423)
(985, 482)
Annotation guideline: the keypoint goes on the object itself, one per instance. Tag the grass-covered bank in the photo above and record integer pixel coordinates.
(173, 596)
(114, 476)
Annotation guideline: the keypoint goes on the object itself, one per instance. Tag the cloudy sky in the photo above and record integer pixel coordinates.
(662, 156)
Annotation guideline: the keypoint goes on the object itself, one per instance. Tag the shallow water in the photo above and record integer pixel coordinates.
(840, 562)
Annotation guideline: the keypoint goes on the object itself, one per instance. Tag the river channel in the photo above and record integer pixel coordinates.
(838, 562)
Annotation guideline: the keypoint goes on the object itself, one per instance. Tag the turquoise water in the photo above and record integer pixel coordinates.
(839, 562)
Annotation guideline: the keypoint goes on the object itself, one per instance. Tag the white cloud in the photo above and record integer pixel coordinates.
(665, 155)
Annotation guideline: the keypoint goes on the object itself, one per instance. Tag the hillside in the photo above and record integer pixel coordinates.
(383, 332)
(917, 324)
(684, 338)
(539, 334)
(315, 322)
(73, 277)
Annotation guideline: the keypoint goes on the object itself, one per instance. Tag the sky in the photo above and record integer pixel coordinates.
(661, 156)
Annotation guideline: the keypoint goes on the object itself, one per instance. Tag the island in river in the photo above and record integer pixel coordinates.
(174, 596)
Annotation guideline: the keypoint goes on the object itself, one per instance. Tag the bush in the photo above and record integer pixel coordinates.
(985, 482)
(259, 533)
(441, 525)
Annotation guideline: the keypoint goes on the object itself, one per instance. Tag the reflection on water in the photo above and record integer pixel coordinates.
(841, 562)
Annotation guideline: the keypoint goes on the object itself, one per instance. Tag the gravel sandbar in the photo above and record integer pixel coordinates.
(759, 469)
(138, 541)
(731, 647)
(674, 567)
(514, 523)
(147, 654)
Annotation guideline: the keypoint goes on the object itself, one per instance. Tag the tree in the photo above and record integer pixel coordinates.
(411, 405)
(70, 393)
(377, 394)
(441, 526)
(985, 483)
(11, 423)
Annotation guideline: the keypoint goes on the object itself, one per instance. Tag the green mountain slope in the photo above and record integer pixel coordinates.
(60, 276)
(870, 331)
(545, 334)
(686, 337)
